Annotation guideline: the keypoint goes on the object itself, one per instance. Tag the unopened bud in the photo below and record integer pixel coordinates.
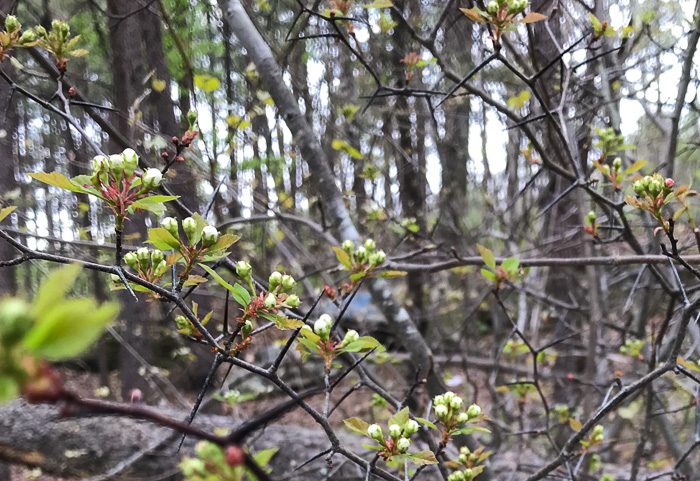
(191, 118)
(288, 282)
(117, 164)
(456, 403)
(350, 336)
(11, 23)
(668, 183)
(473, 411)
(492, 7)
(246, 329)
(131, 161)
(243, 269)
(468, 474)
(152, 179)
(131, 260)
(143, 255)
(361, 254)
(441, 411)
(270, 301)
(275, 280)
(440, 399)
(234, 456)
(322, 327)
(189, 225)
(370, 245)
(394, 431)
(375, 432)
(27, 37)
(617, 164)
(462, 418)
(170, 224)
(403, 445)
(156, 258)
(100, 163)
(209, 236)
(410, 428)
(348, 246)
(293, 301)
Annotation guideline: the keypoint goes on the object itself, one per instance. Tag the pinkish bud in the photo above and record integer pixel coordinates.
(135, 395)
(668, 183)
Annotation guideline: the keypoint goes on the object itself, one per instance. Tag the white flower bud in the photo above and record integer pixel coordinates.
(370, 245)
(410, 428)
(152, 179)
(156, 258)
(348, 246)
(350, 336)
(462, 418)
(441, 411)
(189, 225)
(144, 256)
(394, 431)
(439, 400)
(100, 163)
(209, 236)
(270, 301)
(170, 224)
(473, 411)
(375, 432)
(116, 162)
(456, 403)
(403, 445)
(131, 260)
(448, 397)
(322, 327)
(275, 280)
(361, 254)
(131, 161)
(492, 7)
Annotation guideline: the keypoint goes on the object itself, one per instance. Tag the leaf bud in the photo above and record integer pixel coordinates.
(183, 323)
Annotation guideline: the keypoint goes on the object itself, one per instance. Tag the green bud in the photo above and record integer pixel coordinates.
(617, 164)
(209, 236)
(370, 245)
(156, 258)
(183, 324)
(462, 418)
(293, 301)
(41, 31)
(131, 260)
(246, 329)
(288, 282)
(270, 301)
(11, 24)
(468, 474)
(639, 188)
(243, 269)
(350, 336)
(116, 162)
(394, 431)
(275, 280)
(189, 225)
(191, 118)
(143, 256)
(473, 411)
(348, 246)
(591, 218)
(457, 476)
(15, 320)
(27, 37)
(170, 224)
(100, 163)
(492, 7)
(361, 254)
(462, 459)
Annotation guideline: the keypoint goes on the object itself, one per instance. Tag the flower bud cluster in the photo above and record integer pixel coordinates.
(125, 163)
(653, 186)
(466, 457)
(448, 410)
(466, 475)
(148, 263)
(365, 254)
(399, 436)
(597, 436)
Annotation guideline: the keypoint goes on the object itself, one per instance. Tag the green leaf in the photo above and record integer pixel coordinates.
(240, 294)
(635, 167)
(6, 211)
(427, 423)
(421, 458)
(488, 274)
(158, 85)
(79, 52)
(57, 180)
(519, 100)
(595, 22)
(510, 264)
(399, 418)
(471, 429)
(9, 389)
(200, 224)
(310, 335)
(163, 239)
(379, 4)
(474, 14)
(363, 344)
(357, 425)
(370, 446)
(487, 256)
(54, 289)
(342, 256)
(343, 146)
(206, 83)
(263, 457)
(224, 242)
(283, 322)
(626, 146)
(310, 345)
(69, 328)
(533, 17)
(358, 275)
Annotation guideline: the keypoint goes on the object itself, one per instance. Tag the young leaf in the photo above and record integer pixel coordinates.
(238, 294)
(575, 424)
(379, 4)
(533, 17)
(224, 242)
(421, 458)
(357, 425)
(473, 14)
(471, 429)
(162, 239)
(283, 322)
(342, 256)
(510, 264)
(488, 274)
(399, 418)
(8, 389)
(363, 344)
(57, 180)
(487, 256)
(427, 423)
(392, 274)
